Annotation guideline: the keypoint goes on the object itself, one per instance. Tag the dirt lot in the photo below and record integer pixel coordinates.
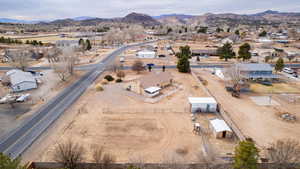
(128, 128)
(258, 122)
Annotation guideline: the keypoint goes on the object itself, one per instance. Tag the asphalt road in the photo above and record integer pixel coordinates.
(93, 66)
(17, 141)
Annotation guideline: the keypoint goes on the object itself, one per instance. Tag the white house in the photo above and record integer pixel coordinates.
(203, 104)
(146, 54)
(152, 91)
(220, 128)
(21, 81)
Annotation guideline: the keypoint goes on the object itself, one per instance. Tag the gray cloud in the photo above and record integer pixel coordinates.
(52, 9)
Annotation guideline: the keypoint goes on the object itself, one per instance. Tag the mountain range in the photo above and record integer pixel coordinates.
(265, 17)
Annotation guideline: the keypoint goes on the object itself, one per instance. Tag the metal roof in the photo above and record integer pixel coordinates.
(219, 125)
(254, 67)
(19, 76)
(199, 100)
(153, 89)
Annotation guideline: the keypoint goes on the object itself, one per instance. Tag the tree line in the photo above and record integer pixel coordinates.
(16, 41)
(10, 40)
(34, 42)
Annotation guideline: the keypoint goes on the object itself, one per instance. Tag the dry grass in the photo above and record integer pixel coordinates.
(275, 88)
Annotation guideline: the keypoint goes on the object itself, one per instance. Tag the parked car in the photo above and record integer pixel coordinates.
(288, 70)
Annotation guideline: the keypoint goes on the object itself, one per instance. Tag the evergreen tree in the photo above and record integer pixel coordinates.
(185, 51)
(244, 52)
(246, 155)
(183, 65)
(7, 163)
(263, 34)
(226, 52)
(237, 32)
(88, 45)
(279, 65)
(81, 42)
(219, 30)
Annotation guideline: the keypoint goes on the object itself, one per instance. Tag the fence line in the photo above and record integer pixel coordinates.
(223, 113)
(137, 111)
(54, 165)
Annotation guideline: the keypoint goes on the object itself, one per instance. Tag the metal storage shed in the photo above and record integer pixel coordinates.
(220, 128)
(203, 104)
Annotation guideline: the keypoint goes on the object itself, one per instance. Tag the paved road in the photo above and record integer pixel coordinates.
(17, 141)
(93, 66)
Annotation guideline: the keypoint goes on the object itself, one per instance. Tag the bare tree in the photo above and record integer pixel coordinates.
(174, 161)
(19, 58)
(61, 70)
(120, 74)
(138, 66)
(65, 66)
(69, 154)
(98, 153)
(52, 54)
(102, 158)
(138, 161)
(107, 160)
(234, 74)
(284, 153)
(114, 67)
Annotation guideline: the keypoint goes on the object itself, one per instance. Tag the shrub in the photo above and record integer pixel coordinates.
(119, 80)
(104, 82)
(109, 78)
(99, 88)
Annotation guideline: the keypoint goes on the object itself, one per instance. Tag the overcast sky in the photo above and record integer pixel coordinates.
(54, 9)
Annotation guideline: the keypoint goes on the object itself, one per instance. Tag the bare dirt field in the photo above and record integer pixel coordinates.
(128, 128)
(258, 122)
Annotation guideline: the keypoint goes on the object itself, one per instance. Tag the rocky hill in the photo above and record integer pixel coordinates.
(267, 17)
(134, 18)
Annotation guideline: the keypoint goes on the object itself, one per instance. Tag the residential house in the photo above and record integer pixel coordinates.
(21, 81)
(146, 54)
(252, 71)
(152, 84)
(204, 52)
(67, 43)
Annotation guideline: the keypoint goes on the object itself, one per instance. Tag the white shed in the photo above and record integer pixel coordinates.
(146, 54)
(152, 91)
(220, 128)
(203, 104)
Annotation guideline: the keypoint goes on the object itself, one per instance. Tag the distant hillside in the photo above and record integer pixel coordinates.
(173, 18)
(7, 20)
(266, 17)
(140, 18)
(86, 21)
